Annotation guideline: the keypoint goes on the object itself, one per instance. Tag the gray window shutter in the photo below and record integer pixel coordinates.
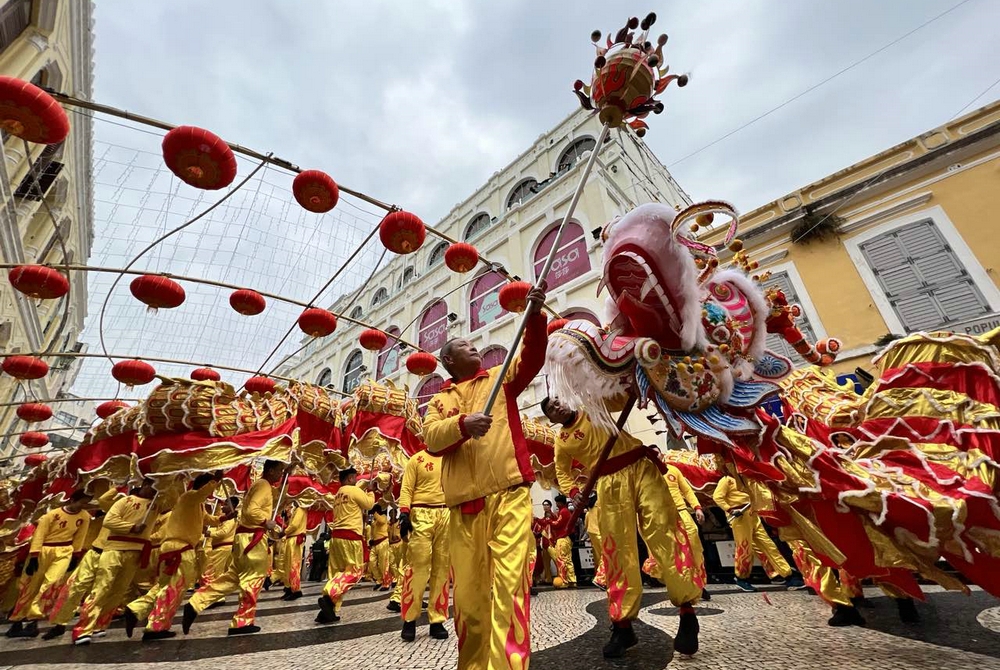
(775, 342)
(926, 284)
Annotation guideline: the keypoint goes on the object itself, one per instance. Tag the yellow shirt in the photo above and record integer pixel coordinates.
(421, 482)
(124, 514)
(297, 523)
(258, 505)
(584, 442)
(223, 534)
(156, 537)
(680, 490)
(728, 494)
(349, 507)
(104, 502)
(380, 526)
(58, 527)
(187, 519)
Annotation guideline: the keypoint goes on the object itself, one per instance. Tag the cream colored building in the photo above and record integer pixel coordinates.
(48, 42)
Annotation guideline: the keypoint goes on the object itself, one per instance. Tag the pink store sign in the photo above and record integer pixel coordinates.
(433, 331)
(571, 259)
(484, 306)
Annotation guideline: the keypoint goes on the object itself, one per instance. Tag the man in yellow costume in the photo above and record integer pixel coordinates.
(55, 548)
(378, 557)
(295, 537)
(177, 562)
(126, 550)
(487, 477)
(750, 537)
(631, 489)
(219, 545)
(424, 520)
(562, 550)
(249, 567)
(347, 550)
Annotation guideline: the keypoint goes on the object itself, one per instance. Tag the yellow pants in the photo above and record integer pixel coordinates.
(564, 561)
(159, 605)
(330, 570)
(493, 547)
(397, 565)
(429, 562)
(279, 572)
(822, 579)
(39, 594)
(246, 574)
(291, 563)
(114, 575)
(751, 538)
(652, 568)
(595, 544)
(217, 562)
(75, 589)
(637, 499)
(347, 561)
(378, 564)
(543, 555)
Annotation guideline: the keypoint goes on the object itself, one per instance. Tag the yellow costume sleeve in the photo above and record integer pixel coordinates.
(442, 433)
(258, 505)
(721, 493)
(81, 532)
(689, 497)
(41, 530)
(406, 488)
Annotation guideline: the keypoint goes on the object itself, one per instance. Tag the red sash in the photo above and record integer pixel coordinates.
(619, 463)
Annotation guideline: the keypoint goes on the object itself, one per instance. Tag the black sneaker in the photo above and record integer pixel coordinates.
(131, 621)
(744, 585)
(795, 583)
(377, 587)
(15, 629)
(393, 606)
(409, 633)
(622, 638)
(295, 595)
(151, 635)
(267, 585)
(686, 640)
(438, 631)
(326, 606)
(845, 616)
(907, 610)
(287, 594)
(29, 629)
(82, 641)
(189, 616)
(54, 632)
(244, 630)
(383, 588)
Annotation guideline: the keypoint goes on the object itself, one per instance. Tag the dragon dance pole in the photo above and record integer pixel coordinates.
(512, 351)
(281, 494)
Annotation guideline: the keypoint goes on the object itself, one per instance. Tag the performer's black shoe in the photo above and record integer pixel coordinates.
(907, 610)
(423, 604)
(533, 592)
(438, 631)
(861, 601)
(151, 635)
(795, 583)
(244, 630)
(327, 610)
(29, 629)
(15, 629)
(267, 583)
(287, 593)
(393, 606)
(686, 640)
(54, 632)
(131, 621)
(846, 616)
(409, 633)
(705, 595)
(622, 638)
(295, 595)
(189, 616)
(377, 587)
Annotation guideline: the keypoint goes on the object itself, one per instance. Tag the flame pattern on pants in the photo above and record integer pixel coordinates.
(115, 573)
(428, 562)
(246, 574)
(751, 538)
(347, 567)
(160, 603)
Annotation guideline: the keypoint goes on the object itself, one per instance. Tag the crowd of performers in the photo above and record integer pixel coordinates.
(462, 528)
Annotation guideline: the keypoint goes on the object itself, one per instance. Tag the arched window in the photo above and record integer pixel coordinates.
(357, 312)
(582, 315)
(479, 223)
(389, 355)
(484, 302)
(437, 255)
(574, 152)
(380, 296)
(325, 377)
(427, 389)
(572, 259)
(352, 371)
(433, 330)
(408, 275)
(14, 18)
(523, 192)
(493, 356)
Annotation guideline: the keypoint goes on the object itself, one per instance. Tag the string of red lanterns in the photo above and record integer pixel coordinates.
(106, 409)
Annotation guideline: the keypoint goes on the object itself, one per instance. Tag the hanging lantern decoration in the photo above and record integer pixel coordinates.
(39, 282)
(30, 113)
(106, 409)
(157, 291)
(317, 322)
(34, 460)
(421, 363)
(34, 412)
(205, 375)
(261, 385)
(199, 158)
(402, 232)
(247, 302)
(461, 257)
(316, 191)
(372, 339)
(34, 439)
(25, 367)
(133, 373)
(556, 324)
(514, 296)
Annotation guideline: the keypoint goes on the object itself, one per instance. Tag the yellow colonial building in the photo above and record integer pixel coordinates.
(48, 42)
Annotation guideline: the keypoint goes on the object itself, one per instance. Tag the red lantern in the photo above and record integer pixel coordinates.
(25, 367)
(514, 296)
(421, 363)
(247, 302)
(260, 385)
(402, 232)
(556, 324)
(372, 339)
(461, 257)
(34, 412)
(106, 409)
(199, 158)
(157, 291)
(317, 322)
(316, 191)
(205, 375)
(39, 281)
(30, 113)
(133, 373)
(34, 439)
(34, 460)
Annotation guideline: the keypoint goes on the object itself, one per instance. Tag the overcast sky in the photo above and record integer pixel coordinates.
(418, 103)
